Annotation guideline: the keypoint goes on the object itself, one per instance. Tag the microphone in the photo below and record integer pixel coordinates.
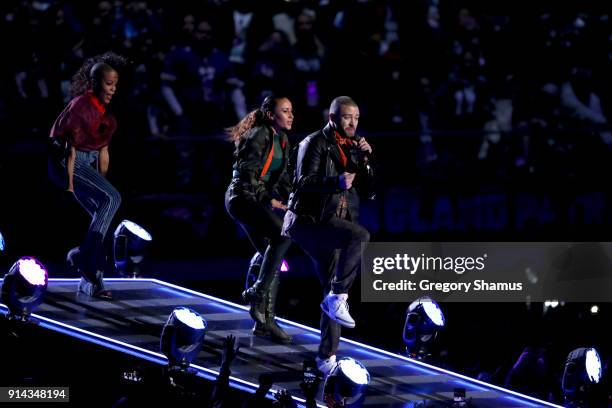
(363, 155)
(365, 161)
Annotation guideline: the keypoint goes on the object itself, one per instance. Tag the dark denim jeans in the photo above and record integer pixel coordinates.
(335, 247)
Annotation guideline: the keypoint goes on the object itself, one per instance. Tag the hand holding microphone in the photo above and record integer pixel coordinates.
(364, 153)
(365, 150)
(363, 145)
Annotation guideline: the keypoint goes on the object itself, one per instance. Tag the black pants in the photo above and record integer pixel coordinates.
(335, 248)
(263, 227)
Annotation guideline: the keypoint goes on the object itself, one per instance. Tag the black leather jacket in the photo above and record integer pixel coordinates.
(316, 180)
(251, 155)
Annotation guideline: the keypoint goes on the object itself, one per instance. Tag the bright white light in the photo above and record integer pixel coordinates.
(189, 317)
(284, 266)
(354, 370)
(32, 271)
(551, 303)
(136, 230)
(594, 309)
(434, 312)
(593, 365)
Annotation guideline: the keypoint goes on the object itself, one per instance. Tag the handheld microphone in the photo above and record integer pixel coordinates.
(363, 155)
(365, 160)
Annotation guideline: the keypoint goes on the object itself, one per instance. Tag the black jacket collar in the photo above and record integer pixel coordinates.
(329, 133)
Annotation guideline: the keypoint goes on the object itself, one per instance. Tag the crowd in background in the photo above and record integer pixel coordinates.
(529, 82)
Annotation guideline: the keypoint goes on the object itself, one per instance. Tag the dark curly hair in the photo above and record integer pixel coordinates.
(92, 70)
(255, 118)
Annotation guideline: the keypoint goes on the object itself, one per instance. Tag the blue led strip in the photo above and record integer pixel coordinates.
(136, 351)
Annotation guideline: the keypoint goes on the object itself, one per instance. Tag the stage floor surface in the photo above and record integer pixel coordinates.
(132, 323)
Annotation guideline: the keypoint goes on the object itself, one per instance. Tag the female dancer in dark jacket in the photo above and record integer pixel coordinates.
(255, 199)
(80, 159)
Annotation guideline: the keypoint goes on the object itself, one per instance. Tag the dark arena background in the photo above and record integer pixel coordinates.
(489, 120)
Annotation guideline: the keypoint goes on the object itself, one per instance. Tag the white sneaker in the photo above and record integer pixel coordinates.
(336, 307)
(325, 365)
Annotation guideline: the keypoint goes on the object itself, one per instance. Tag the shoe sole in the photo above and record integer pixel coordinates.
(102, 294)
(261, 333)
(343, 323)
(103, 297)
(279, 340)
(266, 334)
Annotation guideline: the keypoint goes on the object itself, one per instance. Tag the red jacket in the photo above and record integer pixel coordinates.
(85, 123)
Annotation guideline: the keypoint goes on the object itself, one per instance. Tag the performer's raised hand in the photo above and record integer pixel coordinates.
(363, 145)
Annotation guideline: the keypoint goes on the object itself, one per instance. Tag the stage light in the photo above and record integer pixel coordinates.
(23, 287)
(2, 243)
(594, 309)
(583, 369)
(424, 319)
(182, 337)
(347, 382)
(551, 303)
(130, 242)
(284, 266)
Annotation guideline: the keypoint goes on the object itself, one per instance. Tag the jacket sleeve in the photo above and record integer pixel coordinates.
(365, 180)
(282, 188)
(312, 157)
(249, 160)
(74, 125)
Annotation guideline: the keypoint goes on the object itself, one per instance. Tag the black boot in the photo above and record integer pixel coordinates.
(258, 304)
(92, 282)
(260, 330)
(256, 294)
(274, 331)
(89, 251)
(95, 288)
(253, 272)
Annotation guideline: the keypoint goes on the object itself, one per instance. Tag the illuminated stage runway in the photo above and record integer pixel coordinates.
(133, 321)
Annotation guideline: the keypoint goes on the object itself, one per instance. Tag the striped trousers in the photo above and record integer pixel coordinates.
(95, 193)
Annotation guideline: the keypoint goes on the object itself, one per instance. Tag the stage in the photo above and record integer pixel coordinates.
(133, 321)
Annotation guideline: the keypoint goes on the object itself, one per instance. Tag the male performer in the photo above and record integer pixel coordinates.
(332, 168)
